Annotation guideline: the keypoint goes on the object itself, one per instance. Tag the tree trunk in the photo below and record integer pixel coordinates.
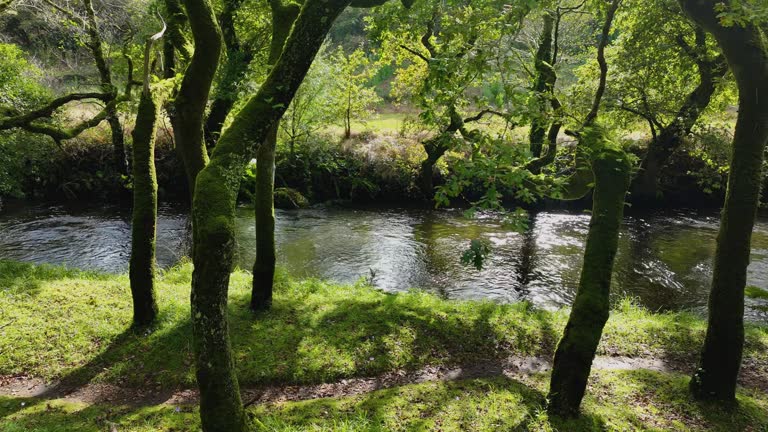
(144, 221)
(266, 256)
(283, 18)
(576, 349)
(543, 86)
(435, 150)
(213, 214)
(118, 140)
(747, 55)
(192, 98)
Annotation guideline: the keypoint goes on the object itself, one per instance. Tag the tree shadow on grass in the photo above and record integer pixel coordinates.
(354, 337)
(666, 395)
(489, 404)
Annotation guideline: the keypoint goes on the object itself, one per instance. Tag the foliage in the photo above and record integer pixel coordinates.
(366, 167)
(20, 87)
(352, 97)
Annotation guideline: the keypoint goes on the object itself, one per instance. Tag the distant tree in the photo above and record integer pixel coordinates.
(667, 73)
(352, 96)
(442, 51)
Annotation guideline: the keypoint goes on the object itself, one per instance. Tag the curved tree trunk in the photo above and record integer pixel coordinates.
(105, 75)
(213, 213)
(191, 100)
(747, 54)
(577, 348)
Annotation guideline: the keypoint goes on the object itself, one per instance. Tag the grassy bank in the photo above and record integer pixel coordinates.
(616, 401)
(74, 325)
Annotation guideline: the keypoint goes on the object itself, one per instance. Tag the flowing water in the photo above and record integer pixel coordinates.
(664, 259)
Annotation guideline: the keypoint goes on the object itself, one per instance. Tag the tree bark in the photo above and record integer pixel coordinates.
(577, 348)
(747, 54)
(144, 220)
(192, 97)
(283, 17)
(266, 255)
(213, 213)
(544, 86)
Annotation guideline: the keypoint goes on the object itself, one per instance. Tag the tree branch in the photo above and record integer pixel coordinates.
(592, 116)
(416, 53)
(22, 120)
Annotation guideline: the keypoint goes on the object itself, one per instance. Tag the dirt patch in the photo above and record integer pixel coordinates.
(23, 386)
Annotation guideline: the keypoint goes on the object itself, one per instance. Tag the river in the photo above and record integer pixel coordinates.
(664, 258)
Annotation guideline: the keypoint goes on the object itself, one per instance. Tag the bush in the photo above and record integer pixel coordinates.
(378, 167)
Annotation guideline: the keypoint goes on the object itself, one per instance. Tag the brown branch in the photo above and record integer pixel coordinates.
(416, 53)
(47, 111)
(592, 116)
(484, 112)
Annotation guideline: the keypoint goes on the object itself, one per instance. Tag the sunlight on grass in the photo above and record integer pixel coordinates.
(74, 325)
(615, 401)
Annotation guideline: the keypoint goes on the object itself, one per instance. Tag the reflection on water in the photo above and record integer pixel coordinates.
(664, 259)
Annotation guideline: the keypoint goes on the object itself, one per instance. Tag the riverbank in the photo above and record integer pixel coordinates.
(71, 328)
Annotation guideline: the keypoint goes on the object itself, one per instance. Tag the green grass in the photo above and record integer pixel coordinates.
(74, 325)
(756, 293)
(616, 401)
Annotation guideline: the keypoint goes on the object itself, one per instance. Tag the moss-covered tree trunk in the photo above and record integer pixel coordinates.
(747, 54)
(543, 86)
(213, 212)
(192, 97)
(610, 175)
(266, 255)
(144, 220)
(283, 17)
(577, 348)
(238, 58)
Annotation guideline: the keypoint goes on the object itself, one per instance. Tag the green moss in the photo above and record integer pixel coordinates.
(287, 198)
(756, 293)
(144, 217)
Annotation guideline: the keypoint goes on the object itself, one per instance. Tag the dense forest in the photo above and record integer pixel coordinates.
(231, 215)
